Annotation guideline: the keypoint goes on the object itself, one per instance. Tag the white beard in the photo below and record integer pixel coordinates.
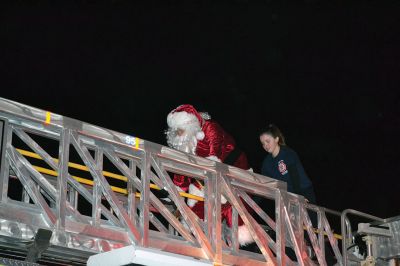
(186, 142)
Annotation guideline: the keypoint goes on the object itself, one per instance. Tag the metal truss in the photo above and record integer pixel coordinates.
(131, 214)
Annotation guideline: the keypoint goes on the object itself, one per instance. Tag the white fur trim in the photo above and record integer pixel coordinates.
(244, 236)
(200, 135)
(223, 199)
(194, 191)
(182, 120)
(205, 115)
(214, 158)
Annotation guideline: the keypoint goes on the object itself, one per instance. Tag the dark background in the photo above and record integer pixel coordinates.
(325, 72)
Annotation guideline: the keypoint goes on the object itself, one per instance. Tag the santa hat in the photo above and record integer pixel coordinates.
(186, 116)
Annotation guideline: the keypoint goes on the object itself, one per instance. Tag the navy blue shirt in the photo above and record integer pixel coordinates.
(286, 166)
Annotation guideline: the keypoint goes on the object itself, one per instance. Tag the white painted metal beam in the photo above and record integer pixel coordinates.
(144, 256)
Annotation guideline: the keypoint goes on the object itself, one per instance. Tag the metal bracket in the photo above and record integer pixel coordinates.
(40, 244)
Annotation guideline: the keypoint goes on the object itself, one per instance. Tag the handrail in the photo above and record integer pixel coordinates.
(343, 219)
(120, 177)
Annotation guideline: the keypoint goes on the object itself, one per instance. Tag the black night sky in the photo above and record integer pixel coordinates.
(326, 72)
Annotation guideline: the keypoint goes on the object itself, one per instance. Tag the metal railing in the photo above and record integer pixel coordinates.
(130, 214)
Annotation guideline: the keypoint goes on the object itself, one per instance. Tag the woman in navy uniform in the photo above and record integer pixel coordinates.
(283, 163)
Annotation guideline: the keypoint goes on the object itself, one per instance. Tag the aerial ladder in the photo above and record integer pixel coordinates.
(73, 193)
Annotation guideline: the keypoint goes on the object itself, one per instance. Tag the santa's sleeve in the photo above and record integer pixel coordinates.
(182, 181)
(214, 134)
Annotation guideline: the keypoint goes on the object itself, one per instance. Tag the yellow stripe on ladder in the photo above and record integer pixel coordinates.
(136, 142)
(48, 118)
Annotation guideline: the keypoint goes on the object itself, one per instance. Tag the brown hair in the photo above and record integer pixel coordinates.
(274, 131)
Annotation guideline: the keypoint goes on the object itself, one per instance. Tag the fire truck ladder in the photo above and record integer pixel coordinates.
(72, 193)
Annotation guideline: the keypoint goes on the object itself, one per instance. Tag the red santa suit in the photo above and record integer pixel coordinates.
(205, 138)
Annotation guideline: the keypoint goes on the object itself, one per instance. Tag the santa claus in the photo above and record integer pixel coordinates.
(196, 133)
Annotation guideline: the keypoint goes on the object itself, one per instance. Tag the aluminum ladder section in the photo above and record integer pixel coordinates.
(137, 217)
